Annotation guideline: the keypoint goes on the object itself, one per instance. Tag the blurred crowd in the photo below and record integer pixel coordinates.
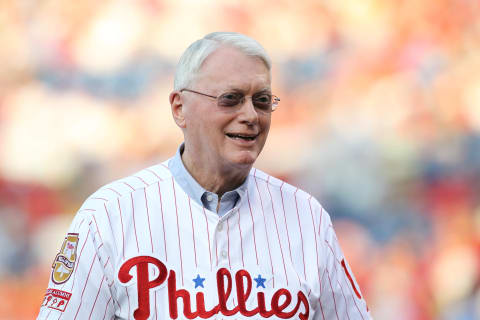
(379, 119)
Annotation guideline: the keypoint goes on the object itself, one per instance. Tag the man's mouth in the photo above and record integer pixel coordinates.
(246, 137)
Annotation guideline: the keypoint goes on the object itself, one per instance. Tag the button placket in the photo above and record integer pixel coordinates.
(221, 242)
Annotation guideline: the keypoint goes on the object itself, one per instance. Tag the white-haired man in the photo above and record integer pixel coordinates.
(204, 234)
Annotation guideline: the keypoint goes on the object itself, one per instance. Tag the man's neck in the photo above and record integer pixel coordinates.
(215, 178)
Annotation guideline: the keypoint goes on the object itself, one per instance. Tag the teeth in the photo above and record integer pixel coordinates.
(238, 136)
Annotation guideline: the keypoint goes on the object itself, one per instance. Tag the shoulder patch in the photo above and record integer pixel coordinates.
(64, 262)
(56, 299)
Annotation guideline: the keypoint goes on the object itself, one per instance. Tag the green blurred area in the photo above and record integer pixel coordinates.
(379, 119)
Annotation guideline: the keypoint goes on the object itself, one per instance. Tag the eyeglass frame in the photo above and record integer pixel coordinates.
(274, 102)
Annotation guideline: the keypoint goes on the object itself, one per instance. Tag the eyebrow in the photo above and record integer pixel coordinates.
(269, 91)
(235, 89)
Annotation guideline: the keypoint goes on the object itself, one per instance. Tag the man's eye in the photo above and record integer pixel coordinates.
(262, 98)
(230, 99)
(262, 101)
(232, 96)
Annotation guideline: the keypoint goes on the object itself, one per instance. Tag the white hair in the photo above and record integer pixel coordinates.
(194, 56)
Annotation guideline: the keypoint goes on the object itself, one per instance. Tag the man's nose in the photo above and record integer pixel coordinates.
(248, 111)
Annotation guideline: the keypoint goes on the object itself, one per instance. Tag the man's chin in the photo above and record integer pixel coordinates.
(244, 159)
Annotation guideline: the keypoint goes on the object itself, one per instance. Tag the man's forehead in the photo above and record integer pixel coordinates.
(240, 84)
(231, 69)
(245, 88)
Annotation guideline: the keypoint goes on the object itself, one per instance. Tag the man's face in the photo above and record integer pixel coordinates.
(228, 137)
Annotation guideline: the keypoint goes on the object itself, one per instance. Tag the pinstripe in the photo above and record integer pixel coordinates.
(316, 251)
(153, 172)
(241, 238)
(96, 297)
(106, 307)
(163, 222)
(332, 291)
(110, 223)
(193, 232)
(116, 192)
(98, 230)
(134, 224)
(346, 303)
(125, 183)
(123, 232)
(178, 228)
(278, 234)
(143, 181)
(148, 218)
(266, 232)
(288, 235)
(98, 198)
(85, 286)
(208, 234)
(253, 227)
(301, 235)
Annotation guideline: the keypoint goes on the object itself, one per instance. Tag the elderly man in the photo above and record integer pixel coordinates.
(205, 235)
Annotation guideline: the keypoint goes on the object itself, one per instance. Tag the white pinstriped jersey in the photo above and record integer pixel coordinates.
(140, 248)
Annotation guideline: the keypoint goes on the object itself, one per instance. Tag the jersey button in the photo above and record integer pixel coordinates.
(209, 197)
(220, 227)
(224, 254)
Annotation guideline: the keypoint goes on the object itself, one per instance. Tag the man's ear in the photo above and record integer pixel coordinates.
(176, 103)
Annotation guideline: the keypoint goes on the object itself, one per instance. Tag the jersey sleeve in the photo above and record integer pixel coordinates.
(78, 287)
(340, 295)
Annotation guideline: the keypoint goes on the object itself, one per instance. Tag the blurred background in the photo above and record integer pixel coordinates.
(379, 119)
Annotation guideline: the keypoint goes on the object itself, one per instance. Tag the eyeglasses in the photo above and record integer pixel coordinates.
(262, 101)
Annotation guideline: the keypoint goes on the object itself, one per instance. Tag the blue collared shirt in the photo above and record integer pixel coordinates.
(202, 196)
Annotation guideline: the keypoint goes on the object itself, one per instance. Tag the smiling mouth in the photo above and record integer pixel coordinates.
(242, 136)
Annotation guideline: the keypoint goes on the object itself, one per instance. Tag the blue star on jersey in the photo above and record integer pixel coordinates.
(198, 281)
(260, 281)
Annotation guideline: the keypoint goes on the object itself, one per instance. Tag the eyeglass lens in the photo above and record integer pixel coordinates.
(261, 101)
